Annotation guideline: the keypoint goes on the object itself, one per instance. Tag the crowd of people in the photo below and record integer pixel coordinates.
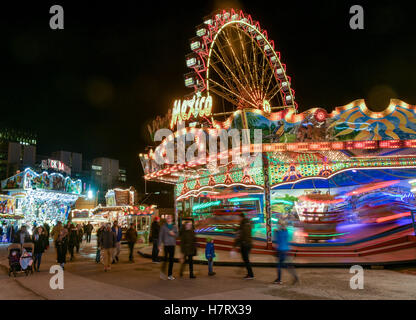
(67, 239)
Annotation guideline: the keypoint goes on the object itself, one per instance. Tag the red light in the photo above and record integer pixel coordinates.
(394, 216)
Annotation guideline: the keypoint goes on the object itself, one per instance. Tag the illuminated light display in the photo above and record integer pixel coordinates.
(39, 206)
(302, 153)
(393, 217)
(243, 199)
(206, 205)
(195, 107)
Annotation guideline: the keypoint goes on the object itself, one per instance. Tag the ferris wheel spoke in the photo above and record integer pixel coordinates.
(247, 64)
(233, 74)
(238, 96)
(223, 77)
(270, 80)
(241, 71)
(225, 96)
(273, 92)
(254, 51)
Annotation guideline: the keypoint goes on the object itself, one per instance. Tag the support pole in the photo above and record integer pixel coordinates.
(267, 202)
(175, 209)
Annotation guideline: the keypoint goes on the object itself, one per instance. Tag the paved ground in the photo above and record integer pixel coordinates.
(84, 279)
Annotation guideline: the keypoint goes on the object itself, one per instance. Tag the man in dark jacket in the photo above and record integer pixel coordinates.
(188, 248)
(154, 237)
(131, 237)
(119, 234)
(73, 241)
(88, 230)
(107, 244)
(244, 241)
(22, 236)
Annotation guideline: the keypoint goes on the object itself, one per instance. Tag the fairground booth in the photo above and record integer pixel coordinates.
(8, 217)
(42, 197)
(337, 177)
(121, 205)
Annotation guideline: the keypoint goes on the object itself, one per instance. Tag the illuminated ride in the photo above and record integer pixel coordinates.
(343, 177)
(42, 198)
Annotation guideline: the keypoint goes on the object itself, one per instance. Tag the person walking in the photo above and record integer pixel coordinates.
(62, 246)
(98, 253)
(167, 238)
(73, 241)
(282, 239)
(47, 230)
(88, 231)
(108, 242)
(80, 235)
(244, 241)
(41, 243)
(188, 248)
(210, 255)
(22, 235)
(131, 237)
(154, 238)
(56, 230)
(119, 234)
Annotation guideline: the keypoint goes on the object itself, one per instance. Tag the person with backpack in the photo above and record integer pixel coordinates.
(282, 239)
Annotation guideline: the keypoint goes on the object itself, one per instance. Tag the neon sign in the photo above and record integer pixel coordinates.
(57, 165)
(195, 107)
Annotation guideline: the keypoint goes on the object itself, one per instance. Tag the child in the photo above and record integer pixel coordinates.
(210, 254)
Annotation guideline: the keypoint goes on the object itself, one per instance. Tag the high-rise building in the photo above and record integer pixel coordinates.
(106, 174)
(17, 150)
(71, 159)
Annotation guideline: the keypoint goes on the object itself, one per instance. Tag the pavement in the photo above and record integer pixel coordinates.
(84, 279)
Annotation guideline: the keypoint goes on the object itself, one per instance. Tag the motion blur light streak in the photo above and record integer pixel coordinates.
(395, 216)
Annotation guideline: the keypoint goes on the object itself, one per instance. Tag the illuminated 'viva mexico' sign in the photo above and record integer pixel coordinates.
(195, 107)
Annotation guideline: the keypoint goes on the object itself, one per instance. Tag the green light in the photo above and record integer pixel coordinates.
(205, 205)
(327, 235)
(242, 199)
(255, 219)
(283, 202)
(275, 220)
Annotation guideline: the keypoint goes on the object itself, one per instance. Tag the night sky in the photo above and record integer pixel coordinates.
(92, 87)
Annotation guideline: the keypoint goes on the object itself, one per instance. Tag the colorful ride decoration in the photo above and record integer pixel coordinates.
(30, 180)
(315, 149)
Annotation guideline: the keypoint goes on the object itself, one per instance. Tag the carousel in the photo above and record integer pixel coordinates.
(337, 176)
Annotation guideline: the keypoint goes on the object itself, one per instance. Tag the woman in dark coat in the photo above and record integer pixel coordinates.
(188, 248)
(62, 246)
(41, 243)
(73, 240)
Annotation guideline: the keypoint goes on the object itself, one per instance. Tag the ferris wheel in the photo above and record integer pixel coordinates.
(235, 63)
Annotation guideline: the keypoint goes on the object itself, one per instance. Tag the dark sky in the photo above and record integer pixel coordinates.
(91, 87)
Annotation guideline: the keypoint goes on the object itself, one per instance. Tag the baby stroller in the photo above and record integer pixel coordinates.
(20, 258)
